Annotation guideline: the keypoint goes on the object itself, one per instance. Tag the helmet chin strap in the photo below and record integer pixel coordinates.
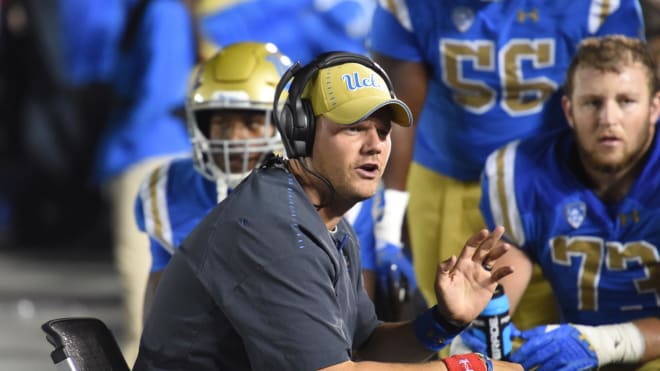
(234, 179)
(224, 182)
(221, 188)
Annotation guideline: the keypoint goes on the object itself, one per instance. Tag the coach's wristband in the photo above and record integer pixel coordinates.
(470, 361)
(434, 332)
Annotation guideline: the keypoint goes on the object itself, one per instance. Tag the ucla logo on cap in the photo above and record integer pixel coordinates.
(354, 82)
(575, 212)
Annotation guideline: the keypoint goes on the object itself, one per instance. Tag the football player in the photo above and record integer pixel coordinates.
(476, 74)
(583, 203)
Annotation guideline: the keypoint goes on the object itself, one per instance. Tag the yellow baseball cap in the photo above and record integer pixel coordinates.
(350, 92)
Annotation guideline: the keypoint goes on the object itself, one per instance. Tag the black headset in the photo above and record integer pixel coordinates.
(296, 122)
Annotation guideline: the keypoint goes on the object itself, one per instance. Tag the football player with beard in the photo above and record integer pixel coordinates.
(583, 203)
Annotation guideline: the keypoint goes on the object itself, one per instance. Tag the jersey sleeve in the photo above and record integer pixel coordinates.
(499, 201)
(392, 33)
(625, 19)
(160, 256)
(139, 212)
(151, 208)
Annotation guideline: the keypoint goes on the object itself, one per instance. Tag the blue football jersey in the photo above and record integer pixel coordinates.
(300, 28)
(496, 67)
(174, 198)
(602, 260)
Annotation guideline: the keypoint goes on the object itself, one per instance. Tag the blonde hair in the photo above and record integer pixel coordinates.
(610, 54)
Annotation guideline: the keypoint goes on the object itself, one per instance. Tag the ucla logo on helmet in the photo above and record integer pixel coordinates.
(354, 82)
(575, 213)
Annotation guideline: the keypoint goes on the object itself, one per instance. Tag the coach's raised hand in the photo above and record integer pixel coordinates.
(464, 285)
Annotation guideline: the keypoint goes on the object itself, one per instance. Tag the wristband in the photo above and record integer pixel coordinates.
(434, 333)
(470, 361)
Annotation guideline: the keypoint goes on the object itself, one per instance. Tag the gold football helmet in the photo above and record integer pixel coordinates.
(242, 76)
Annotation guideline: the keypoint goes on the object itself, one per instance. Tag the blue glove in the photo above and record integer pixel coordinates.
(554, 348)
(393, 265)
(474, 340)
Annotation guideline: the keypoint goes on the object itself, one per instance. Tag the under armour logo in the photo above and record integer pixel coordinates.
(634, 217)
(465, 364)
(523, 16)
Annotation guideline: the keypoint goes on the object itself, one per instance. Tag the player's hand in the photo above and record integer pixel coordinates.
(393, 266)
(472, 340)
(465, 285)
(556, 348)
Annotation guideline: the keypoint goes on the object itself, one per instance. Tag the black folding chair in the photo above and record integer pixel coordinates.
(83, 344)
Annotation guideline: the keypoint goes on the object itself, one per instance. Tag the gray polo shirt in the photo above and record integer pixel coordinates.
(260, 284)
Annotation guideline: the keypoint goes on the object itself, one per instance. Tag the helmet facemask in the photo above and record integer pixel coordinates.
(231, 160)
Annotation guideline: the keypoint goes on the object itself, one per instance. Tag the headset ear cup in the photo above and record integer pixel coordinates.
(301, 119)
(300, 123)
(287, 130)
(307, 111)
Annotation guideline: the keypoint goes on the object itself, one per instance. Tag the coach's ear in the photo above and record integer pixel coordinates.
(654, 111)
(566, 107)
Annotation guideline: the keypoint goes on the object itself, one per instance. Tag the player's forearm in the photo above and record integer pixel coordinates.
(380, 366)
(394, 342)
(455, 363)
(650, 329)
(627, 343)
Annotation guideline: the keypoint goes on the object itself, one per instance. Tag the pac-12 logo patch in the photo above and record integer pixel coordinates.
(575, 212)
(462, 17)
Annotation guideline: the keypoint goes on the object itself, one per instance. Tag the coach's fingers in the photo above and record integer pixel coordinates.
(447, 265)
(487, 245)
(473, 243)
(495, 253)
(500, 272)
